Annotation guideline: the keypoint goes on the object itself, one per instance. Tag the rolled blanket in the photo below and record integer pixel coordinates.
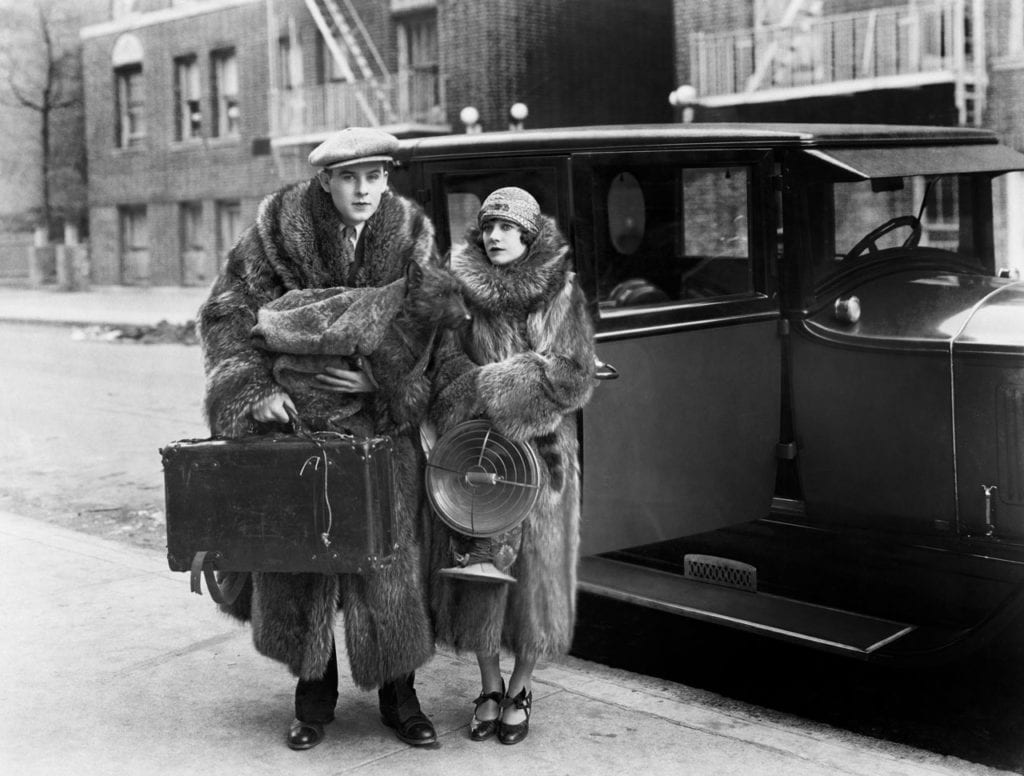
(335, 321)
(310, 329)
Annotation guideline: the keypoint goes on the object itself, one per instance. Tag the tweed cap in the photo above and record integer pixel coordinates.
(354, 145)
(511, 204)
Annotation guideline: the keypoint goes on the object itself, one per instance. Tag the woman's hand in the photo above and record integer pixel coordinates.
(345, 380)
(273, 409)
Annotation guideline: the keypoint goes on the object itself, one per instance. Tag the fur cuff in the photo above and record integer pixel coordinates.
(511, 392)
(458, 402)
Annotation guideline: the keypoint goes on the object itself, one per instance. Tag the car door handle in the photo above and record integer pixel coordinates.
(605, 371)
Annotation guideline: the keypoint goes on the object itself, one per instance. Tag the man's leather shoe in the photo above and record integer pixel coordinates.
(415, 730)
(305, 735)
(400, 710)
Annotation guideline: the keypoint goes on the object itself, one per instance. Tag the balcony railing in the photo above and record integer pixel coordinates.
(903, 41)
(406, 98)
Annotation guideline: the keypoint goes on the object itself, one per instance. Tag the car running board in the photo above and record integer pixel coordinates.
(822, 627)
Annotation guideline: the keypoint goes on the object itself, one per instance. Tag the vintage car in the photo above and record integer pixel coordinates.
(811, 420)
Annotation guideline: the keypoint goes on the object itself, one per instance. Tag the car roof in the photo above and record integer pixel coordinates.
(699, 135)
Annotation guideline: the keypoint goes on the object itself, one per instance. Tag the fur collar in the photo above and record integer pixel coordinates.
(520, 287)
(301, 229)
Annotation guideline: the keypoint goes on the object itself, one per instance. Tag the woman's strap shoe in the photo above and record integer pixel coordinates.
(514, 733)
(482, 729)
(305, 735)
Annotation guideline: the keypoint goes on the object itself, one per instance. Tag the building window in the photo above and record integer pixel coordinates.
(196, 267)
(418, 61)
(188, 114)
(328, 69)
(190, 215)
(226, 111)
(229, 226)
(134, 237)
(289, 62)
(1015, 29)
(284, 63)
(131, 114)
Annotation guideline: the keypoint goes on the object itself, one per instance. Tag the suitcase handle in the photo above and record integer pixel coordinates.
(300, 428)
(203, 565)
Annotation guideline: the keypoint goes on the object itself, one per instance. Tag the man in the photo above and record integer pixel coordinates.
(341, 228)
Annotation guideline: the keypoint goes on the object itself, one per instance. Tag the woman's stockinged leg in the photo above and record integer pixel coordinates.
(490, 681)
(521, 679)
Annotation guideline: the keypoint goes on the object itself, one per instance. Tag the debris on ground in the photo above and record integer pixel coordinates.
(162, 333)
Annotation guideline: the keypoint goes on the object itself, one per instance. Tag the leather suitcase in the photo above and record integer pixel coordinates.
(319, 502)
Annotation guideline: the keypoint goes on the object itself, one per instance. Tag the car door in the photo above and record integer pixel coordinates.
(675, 249)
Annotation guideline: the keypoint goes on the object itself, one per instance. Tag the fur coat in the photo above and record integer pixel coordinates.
(295, 243)
(528, 368)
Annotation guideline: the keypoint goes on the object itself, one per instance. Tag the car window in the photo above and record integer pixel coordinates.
(873, 216)
(665, 234)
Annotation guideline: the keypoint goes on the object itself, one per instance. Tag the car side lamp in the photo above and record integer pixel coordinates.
(847, 309)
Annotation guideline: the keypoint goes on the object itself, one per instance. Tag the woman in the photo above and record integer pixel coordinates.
(527, 366)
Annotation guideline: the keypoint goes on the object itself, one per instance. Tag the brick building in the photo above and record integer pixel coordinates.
(196, 110)
(947, 62)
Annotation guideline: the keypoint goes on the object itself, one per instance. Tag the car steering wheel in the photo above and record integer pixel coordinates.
(867, 243)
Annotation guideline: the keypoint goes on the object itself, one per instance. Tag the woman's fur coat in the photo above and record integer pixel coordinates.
(295, 243)
(530, 367)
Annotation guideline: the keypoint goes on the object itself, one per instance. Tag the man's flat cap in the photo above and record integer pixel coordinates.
(354, 145)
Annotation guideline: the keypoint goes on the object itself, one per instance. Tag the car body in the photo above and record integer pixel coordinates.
(811, 418)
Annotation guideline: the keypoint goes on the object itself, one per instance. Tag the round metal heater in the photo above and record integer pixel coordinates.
(480, 482)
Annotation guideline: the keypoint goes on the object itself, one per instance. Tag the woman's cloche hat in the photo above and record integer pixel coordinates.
(511, 204)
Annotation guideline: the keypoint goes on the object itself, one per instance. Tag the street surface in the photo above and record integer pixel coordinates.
(84, 421)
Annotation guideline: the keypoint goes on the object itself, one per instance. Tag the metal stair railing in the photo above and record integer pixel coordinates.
(341, 59)
(337, 17)
(923, 38)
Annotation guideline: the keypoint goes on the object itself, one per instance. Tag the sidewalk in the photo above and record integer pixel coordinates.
(113, 305)
(111, 667)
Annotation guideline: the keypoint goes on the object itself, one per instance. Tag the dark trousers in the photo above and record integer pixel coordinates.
(315, 699)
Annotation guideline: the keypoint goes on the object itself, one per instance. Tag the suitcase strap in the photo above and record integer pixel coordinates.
(203, 565)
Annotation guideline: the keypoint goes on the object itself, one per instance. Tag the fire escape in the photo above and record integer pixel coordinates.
(796, 53)
(356, 88)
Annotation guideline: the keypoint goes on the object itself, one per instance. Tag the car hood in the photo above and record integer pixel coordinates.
(928, 310)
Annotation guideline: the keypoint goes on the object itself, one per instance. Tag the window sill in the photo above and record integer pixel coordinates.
(226, 140)
(136, 148)
(1015, 62)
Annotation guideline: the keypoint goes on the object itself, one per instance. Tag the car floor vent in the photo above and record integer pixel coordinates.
(720, 571)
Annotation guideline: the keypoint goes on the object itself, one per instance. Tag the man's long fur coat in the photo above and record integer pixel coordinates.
(295, 243)
(530, 367)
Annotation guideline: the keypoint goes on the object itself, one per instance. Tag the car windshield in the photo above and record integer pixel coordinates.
(878, 215)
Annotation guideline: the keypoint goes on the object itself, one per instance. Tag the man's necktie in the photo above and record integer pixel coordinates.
(348, 250)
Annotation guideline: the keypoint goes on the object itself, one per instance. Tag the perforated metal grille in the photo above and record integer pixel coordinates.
(720, 571)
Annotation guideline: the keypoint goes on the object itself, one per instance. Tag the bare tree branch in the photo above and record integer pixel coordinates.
(23, 99)
(40, 71)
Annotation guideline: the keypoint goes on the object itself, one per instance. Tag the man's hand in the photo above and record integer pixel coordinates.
(274, 408)
(345, 381)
